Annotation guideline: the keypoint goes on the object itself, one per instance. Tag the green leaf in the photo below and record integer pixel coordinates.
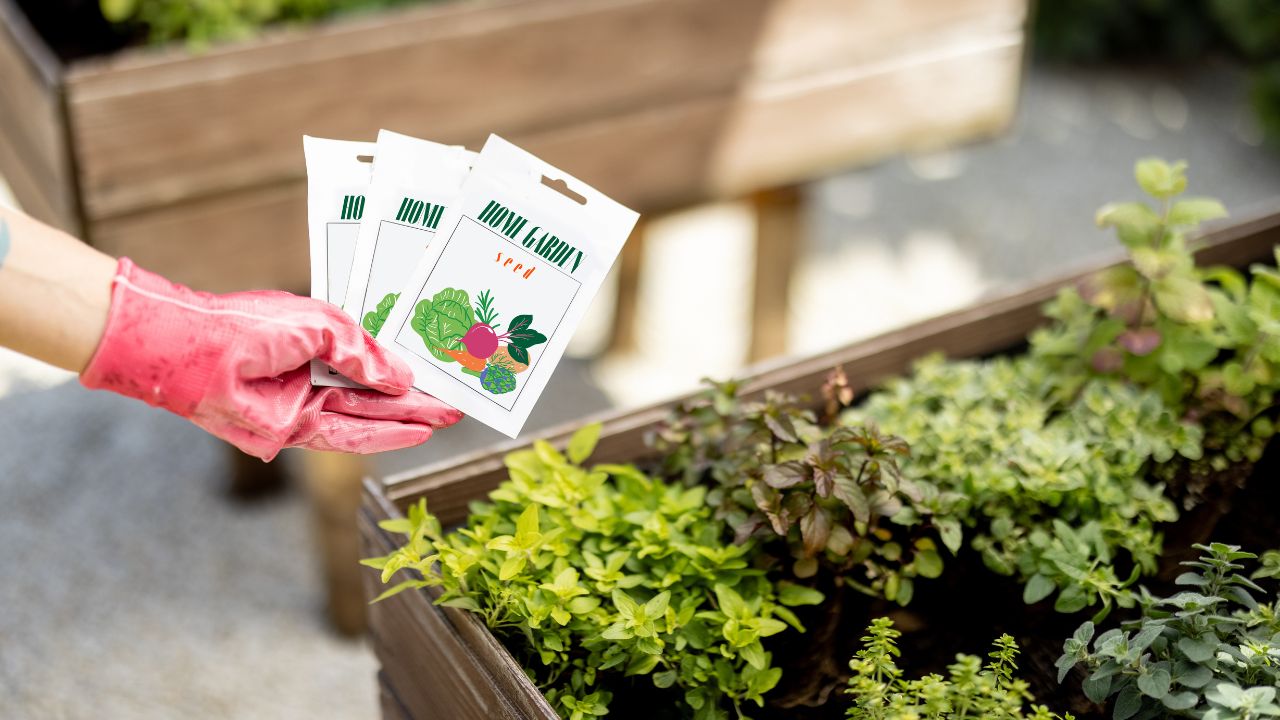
(511, 567)
(527, 524)
(373, 321)
(1194, 211)
(520, 334)
(583, 442)
(1128, 703)
(518, 354)
(730, 602)
(1097, 686)
(1037, 588)
(1196, 649)
(664, 679)
(754, 655)
(399, 588)
(1183, 299)
(928, 564)
(465, 603)
(950, 533)
(1134, 222)
(442, 322)
(1184, 700)
(1154, 684)
(791, 594)
(1160, 179)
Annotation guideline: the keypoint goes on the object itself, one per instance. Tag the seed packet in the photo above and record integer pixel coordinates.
(414, 182)
(338, 174)
(492, 304)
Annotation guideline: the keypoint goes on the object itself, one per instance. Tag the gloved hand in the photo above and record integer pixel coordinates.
(237, 366)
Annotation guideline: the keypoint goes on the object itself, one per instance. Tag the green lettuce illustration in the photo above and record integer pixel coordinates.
(442, 321)
(373, 321)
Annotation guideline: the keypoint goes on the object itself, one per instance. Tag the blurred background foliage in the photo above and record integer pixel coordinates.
(200, 22)
(1095, 31)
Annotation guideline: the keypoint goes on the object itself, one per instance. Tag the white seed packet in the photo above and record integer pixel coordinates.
(413, 184)
(338, 174)
(492, 304)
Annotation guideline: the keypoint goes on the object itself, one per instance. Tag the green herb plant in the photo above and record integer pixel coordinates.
(1210, 652)
(991, 692)
(1052, 489)
(834, 493)
(1206, 339)
(591, 576)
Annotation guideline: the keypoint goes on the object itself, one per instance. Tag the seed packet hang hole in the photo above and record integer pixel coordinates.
(487, 314)
(338, 175)
(415, 181)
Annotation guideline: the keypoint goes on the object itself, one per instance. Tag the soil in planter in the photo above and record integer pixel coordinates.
(75, 29)
(969, 606)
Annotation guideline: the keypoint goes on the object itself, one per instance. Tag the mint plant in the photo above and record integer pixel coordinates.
(834, 493)
(1210, 652)
(991, 692)
(1051, 488)
(590, 576)
(1206, 339)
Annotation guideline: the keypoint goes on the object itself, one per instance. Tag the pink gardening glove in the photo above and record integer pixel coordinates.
(236, 365)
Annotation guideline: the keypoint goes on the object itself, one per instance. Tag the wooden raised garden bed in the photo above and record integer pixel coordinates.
(192, 163)
(441, 662)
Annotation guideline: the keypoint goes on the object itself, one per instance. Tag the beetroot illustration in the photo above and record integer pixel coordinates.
(481, 340)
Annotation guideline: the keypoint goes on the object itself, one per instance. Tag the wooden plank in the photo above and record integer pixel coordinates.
(981, 329)
(779, 238)
(33, 141)
(252, 239)
(155, 128)
(392, 708)
(442, 662)
(658, 159)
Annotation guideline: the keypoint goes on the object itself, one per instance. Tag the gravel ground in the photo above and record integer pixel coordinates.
(131, 588)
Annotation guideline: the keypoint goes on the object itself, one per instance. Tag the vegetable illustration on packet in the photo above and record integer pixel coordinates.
(495, 299)
(370, 222)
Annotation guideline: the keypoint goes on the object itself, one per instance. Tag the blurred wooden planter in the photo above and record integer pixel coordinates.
(192, 164)
(440, 662)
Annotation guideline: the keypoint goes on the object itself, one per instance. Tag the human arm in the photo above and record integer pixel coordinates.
(235, 364)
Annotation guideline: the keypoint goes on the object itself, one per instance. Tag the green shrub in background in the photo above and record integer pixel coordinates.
(201, 22)
(1178, 30)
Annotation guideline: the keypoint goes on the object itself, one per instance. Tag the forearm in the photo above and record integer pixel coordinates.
(54, 292)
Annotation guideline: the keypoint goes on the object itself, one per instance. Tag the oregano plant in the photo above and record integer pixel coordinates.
(594, 575)
(1211, 651)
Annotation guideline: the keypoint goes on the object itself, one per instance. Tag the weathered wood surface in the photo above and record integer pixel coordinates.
(435, 657)
(978, 330)
(34, 158)
(157, 127)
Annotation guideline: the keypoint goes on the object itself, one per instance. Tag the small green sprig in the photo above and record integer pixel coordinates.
(972, 690)
(1210, 652)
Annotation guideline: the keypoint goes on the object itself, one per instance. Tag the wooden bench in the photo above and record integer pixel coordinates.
(191, 164)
